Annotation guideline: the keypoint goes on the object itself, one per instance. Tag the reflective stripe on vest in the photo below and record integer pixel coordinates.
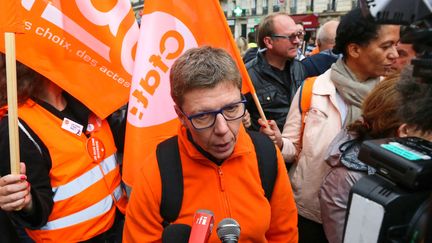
(85, 181)
(84, 191)
(93, 211)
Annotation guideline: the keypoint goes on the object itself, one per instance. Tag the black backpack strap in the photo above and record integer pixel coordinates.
(170, 169)
(267, 161)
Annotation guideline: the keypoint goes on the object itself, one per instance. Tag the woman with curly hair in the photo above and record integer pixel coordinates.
(385, 114)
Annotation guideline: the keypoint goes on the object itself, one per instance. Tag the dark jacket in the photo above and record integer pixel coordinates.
(250, 54)
(7, 230)
(317, 64)
(274, 92)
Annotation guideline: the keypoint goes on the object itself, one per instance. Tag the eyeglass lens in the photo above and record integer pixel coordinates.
(207, 119)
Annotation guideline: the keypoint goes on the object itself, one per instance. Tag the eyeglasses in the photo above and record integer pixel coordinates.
(207, 119)
(291, 37)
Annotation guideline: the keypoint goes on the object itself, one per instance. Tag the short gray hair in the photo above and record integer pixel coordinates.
(327, 32)
(200, 68)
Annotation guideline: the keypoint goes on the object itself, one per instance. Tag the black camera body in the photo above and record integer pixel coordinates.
(391, 205)
(405, 161)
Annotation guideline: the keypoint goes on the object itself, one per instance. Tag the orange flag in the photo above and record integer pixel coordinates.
(11, 16)
(85, 47)
(168, 29)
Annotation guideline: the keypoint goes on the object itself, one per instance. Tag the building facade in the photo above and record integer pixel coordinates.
(243, 15)
(137, 6)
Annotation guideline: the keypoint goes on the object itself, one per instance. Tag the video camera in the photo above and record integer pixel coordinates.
(392, 205)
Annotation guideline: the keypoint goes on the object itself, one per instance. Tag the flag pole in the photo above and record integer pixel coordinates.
(242, 67)
(12, 101)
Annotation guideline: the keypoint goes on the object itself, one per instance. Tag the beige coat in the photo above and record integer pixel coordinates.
(323, 122)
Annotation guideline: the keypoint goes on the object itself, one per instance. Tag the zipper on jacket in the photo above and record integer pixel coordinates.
(223, 193)
(221, 179)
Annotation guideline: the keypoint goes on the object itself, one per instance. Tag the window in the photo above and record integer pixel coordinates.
(293, 7)
(265, 7)
(253, 7)
(243, 30)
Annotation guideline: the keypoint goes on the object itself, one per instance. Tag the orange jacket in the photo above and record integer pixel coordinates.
(85, 192)
(231, 190)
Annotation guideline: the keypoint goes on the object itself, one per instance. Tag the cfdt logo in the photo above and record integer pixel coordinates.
(163, 39)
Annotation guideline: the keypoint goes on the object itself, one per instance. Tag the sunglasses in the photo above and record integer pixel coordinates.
(291, 37)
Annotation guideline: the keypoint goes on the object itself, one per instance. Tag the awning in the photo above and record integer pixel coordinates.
(309, 21)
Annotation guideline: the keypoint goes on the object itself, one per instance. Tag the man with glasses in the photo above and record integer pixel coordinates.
(275, 72)
(368, 51)
(218, 160)
(300, 51)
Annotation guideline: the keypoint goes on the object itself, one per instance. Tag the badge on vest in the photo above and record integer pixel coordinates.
(94, 124)
(72, 126)
(96, 149)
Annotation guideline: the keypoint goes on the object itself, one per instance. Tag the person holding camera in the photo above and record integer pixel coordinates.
(385, 114)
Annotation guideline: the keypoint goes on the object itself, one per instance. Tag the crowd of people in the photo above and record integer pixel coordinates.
(285, 178)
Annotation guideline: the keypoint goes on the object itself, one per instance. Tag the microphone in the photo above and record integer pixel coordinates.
(228, 230)
(176, 233)
(202, 226)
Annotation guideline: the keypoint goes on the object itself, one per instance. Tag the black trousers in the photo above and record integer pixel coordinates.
(114, 234)
(310, 231)
(7, 229)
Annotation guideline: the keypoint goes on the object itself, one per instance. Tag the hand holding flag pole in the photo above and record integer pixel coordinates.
(9, 24)
(11, 78)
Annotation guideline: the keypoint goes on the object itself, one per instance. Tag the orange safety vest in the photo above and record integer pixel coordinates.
(86, 192)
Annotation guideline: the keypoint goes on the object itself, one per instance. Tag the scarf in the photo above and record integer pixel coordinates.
(344, 150)
(350, 89)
